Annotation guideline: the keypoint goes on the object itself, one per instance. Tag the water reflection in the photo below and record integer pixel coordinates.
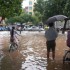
(1, 52)
(33, 50)
(1, 47)
(57, 65)
(34, 63)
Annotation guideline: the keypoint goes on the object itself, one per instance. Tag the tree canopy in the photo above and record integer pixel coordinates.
(23, 18)
(39, 8)
(10, 8)
(48, 8)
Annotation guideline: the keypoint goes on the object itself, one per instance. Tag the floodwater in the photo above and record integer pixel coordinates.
(31, 53)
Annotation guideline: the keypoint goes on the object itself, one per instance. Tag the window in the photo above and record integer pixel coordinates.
(30, 13)
(30, 8)
(30, 2)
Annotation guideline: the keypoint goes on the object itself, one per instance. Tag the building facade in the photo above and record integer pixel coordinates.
(31, 7)
(26, 9)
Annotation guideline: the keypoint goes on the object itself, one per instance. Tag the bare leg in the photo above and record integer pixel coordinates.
(11, 47)
(48, 53)
(16, 45)
(53, 55)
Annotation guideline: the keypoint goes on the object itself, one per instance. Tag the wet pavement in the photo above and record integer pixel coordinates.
(31, 53)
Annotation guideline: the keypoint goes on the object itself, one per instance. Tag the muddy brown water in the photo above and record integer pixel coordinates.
(31, 53)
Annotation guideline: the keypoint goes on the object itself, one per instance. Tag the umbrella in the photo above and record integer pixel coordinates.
(56, 18)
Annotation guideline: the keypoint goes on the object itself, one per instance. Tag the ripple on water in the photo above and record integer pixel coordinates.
(1, 55)
(34, 63)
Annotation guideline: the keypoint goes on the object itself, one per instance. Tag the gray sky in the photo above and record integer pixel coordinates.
(25, 3)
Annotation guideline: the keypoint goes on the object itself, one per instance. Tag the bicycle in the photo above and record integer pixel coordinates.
(13, 46)
(66, 57)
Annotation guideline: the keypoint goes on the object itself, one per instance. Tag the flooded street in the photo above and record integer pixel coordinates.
(31, 53)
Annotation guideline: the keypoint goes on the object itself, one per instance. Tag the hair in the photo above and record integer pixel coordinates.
(13, 27)
(51, 24)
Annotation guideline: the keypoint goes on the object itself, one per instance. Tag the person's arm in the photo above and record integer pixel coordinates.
(15, 37)
(17, 33)
(46, 34)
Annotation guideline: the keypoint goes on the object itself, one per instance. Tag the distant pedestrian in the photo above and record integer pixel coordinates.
(51, 35)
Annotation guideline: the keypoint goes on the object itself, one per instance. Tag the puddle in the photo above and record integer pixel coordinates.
(34, 63)
(33, 52)
(1, 55)
(2, 34)
(32, 32)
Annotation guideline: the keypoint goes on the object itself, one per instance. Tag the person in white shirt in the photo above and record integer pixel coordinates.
(51, 35)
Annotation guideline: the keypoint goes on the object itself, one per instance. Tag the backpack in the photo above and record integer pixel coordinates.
(68, 38)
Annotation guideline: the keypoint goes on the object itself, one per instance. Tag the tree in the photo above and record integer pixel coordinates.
(48, 8)
(54, 7)
(39, 8)
(10, 20)
(35, 20)
(10, 8)
(28, 18)
(23, 18)
(67, 8)
(16, 19)
(38, 16)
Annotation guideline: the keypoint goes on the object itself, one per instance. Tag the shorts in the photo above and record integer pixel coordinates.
(51, 45)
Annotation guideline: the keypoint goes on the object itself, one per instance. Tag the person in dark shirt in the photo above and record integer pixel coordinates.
(12, 34)
(13, 43)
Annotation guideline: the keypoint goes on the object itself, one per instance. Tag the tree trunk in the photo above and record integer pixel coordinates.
(2, 19)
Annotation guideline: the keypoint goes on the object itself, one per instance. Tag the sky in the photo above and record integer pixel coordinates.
(25, 3)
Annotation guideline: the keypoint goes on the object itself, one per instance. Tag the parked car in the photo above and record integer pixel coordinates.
(33, 28)
(26, 28)
(3, 29)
